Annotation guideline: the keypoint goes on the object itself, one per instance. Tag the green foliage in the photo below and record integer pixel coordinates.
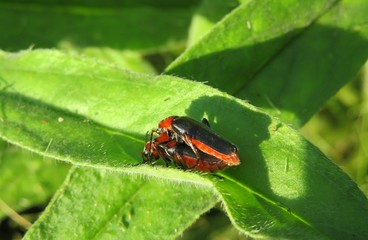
(92, 113)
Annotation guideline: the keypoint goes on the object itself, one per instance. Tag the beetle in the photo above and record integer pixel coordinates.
(190, 144)
(182, 155)
(199, 137)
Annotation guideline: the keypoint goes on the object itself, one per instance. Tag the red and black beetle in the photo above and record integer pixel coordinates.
(190, 144)
(198, 136)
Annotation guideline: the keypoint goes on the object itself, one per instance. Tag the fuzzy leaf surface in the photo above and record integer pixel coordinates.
(110, 205)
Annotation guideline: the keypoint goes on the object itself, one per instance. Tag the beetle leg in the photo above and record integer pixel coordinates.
(187, 140)
(178, 157)
(206, 122)
(165, 158)
(164, 153)
(150, 142)
(151, 135)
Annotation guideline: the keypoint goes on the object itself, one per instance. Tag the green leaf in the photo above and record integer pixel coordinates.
(244, 40)
(281, 55)
(45, 25)
(27, 179)
(97, 115)
(314, 66)
(108, 205)
(207, 14)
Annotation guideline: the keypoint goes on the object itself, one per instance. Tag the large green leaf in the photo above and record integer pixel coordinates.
(287, 57)
(243, 41)
(315, 65)
(110, 205)
(92, 114)
(123, 26)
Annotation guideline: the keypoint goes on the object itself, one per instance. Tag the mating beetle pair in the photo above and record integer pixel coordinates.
(191, 145)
